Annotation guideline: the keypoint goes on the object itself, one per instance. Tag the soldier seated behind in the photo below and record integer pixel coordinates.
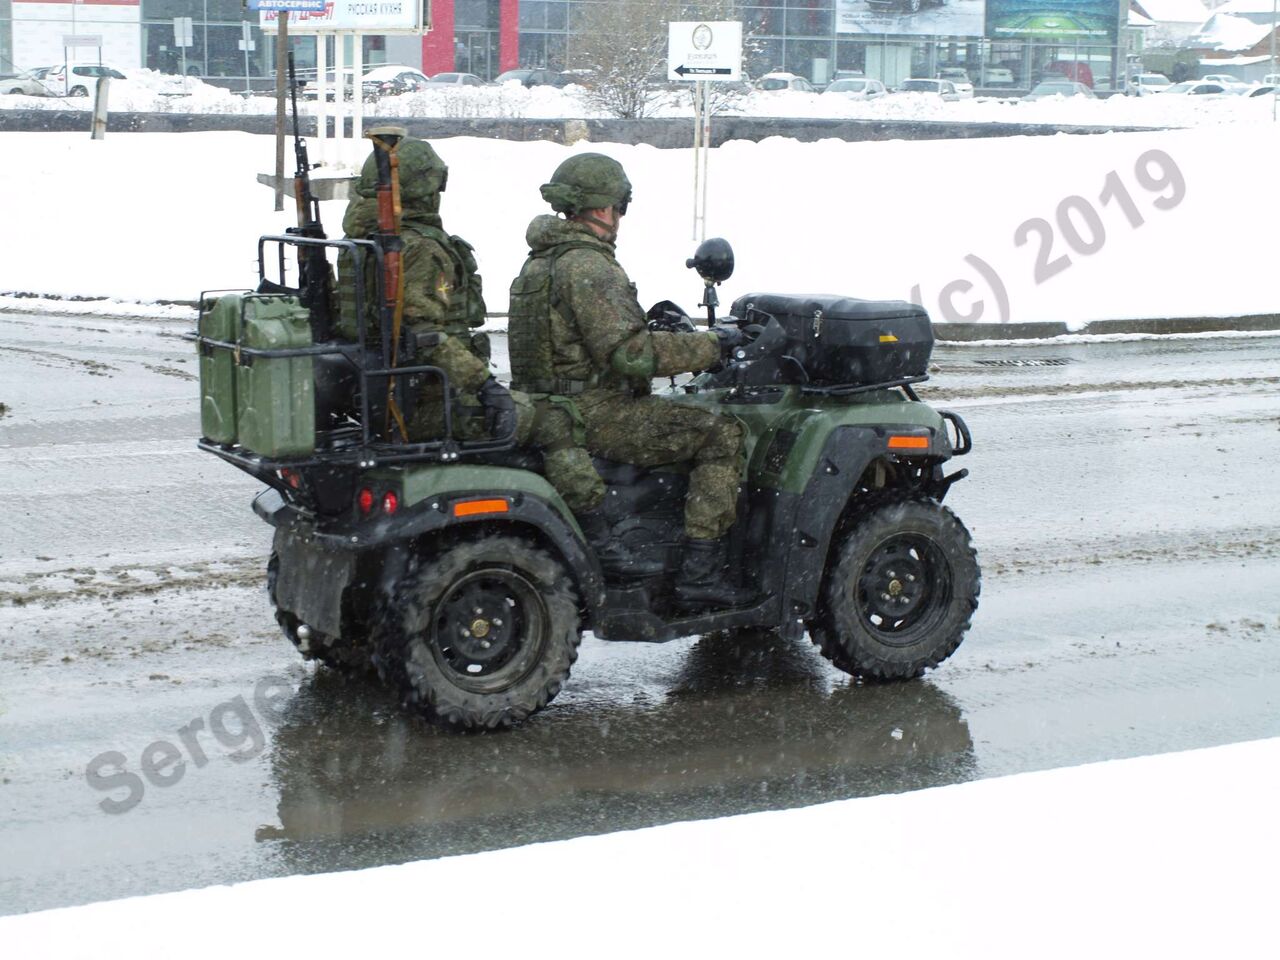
(443, 299)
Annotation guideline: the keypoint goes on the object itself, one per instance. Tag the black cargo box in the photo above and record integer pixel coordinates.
(843, 341)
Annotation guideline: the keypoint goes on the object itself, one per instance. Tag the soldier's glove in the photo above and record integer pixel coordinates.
(499, 409)
(666, 317)
(730, 338)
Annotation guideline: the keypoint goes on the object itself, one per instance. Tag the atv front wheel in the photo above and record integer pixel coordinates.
(342, 655)
(901, 592)
(483, 634)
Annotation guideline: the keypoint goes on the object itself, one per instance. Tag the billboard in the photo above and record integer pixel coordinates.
(1069, 20)
(368, 16)
(935, 18)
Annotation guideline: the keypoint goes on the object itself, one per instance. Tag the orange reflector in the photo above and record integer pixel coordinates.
(899, 442)
(469, 508)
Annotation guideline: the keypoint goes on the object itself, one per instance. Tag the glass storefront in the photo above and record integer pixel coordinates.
(6, 37)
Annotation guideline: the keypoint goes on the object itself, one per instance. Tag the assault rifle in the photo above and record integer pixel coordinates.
(314, 277)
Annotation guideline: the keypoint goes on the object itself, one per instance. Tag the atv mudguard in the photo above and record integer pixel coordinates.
(365, 557)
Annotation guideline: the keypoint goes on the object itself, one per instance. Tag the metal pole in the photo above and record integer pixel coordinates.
(246, 35)
(1273, 59)
(322, 94)
(697, 142)
(282, 57)
(357, 92)
(339, 98)
(706, 153)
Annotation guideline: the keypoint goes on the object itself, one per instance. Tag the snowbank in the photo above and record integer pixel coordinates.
(1169, 856)
(148, 91)
(1013, 229)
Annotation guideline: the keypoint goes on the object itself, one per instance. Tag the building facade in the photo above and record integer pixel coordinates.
(812, 38)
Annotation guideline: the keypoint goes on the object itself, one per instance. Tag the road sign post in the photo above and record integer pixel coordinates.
(704, 53)
(183, 31)
(247, 45)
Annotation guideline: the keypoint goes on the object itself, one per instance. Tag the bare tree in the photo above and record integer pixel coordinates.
(624, 44)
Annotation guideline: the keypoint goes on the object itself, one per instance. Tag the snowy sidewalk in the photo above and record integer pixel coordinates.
(1170, 856)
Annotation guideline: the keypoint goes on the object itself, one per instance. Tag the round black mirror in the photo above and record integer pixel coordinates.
(713, 260)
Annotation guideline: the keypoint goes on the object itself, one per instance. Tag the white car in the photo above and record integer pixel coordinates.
(1226, 79)
(76, 79)
(856, 88)
(391, 80)
(937, 88)
(772, 82)
(455, 80)
(29, 83)
(959, 78)
(1059, 88)
(1197, 88)
(1145, 84)
(999, 77)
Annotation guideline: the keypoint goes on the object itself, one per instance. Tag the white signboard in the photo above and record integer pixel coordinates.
(182, 32)
(358, 16)
(704, 50)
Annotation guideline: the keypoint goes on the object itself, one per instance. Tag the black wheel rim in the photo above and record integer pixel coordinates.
(489, 630)
(904, 589)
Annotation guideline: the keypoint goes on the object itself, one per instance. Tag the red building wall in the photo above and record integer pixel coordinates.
(438, 44)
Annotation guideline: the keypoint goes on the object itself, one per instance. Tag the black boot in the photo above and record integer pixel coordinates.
(616, 559)
(703, 582)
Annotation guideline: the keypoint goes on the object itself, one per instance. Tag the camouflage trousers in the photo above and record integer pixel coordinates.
(553, 427)
(651, 432)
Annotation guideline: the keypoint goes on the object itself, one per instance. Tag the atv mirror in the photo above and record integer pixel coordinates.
(713, 260)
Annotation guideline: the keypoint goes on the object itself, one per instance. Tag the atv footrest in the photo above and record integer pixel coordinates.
(631, 619)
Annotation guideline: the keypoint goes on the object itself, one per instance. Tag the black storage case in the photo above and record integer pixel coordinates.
(842, 341)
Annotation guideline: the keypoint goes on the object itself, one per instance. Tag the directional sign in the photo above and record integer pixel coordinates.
(704, 50)
(182, 32)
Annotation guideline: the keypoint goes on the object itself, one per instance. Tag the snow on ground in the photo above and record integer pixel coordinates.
(149, 91)
(1009, 229)
(1169, 856)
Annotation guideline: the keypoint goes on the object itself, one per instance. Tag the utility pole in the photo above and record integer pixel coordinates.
(282, 58)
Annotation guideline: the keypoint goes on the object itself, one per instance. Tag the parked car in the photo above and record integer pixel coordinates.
(772, 82)
(1196, 88)
(1059, 88)
(999, 77)
(533, 77)
(1076, 70)
(28, 83)
(1262, 90)
(1146, 84)
(455, 80)
(856, 88)
(938, 88)
(902, 6)
(391, 80)
(1226, 79)
(76, 79)
(959, 78)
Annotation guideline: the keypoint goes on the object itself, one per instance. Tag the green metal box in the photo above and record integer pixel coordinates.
(275, 396)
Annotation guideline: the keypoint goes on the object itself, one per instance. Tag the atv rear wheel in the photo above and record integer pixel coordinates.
(901, 592)
(483, 634)
(342, 655)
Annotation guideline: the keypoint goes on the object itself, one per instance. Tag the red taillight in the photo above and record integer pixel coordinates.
(291, 478)
(365, 500)
(390, 502)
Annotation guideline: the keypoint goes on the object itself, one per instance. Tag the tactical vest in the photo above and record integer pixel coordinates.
(466, 307)
(533, 299)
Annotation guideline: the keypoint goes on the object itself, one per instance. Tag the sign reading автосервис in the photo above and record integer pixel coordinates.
(372, 16)
(1053, 19)
(291, 5)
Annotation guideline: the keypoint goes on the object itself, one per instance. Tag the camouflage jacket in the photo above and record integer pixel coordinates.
(432, 294)
(596, 326)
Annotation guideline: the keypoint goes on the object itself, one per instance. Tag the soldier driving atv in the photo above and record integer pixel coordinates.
(580, 343)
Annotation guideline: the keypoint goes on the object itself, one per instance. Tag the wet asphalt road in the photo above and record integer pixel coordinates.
(1121, 501)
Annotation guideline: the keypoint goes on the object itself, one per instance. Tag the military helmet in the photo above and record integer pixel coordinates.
(588, 181)
(423, 175)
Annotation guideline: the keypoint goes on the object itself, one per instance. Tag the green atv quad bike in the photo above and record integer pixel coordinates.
(454, 570)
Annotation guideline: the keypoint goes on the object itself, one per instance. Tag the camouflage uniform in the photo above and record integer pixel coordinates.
(589, 332)
(442, 291)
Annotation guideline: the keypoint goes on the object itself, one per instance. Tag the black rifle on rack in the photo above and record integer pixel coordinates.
(315, 280)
